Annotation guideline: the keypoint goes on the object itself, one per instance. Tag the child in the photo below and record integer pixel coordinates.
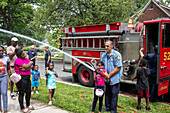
(35, 81)
(142, 83)
(99, 77)
(51, 82)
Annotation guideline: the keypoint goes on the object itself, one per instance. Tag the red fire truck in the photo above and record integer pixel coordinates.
(87, 44)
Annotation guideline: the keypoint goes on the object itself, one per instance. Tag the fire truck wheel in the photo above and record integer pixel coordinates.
(85, 76)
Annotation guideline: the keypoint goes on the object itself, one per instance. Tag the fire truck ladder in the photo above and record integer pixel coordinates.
(74, 41)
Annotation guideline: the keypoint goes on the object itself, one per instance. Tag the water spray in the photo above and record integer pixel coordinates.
(26, 37)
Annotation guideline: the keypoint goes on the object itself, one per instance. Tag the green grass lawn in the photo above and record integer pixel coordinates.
(67, 97)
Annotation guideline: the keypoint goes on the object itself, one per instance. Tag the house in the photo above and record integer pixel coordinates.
(152, 10)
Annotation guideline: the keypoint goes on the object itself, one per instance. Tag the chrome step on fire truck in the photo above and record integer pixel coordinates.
(87, 44)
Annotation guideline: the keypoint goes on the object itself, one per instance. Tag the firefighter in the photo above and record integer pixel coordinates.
(152, 65)
(113, 64)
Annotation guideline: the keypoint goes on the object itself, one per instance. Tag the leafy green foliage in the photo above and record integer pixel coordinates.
(15, 15)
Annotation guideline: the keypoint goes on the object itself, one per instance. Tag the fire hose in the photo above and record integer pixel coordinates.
(127, 95)
(117, 105)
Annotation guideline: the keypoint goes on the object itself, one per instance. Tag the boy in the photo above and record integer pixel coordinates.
(35, 81)
(142, 83)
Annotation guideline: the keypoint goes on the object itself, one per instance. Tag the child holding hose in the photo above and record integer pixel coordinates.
(99, 77)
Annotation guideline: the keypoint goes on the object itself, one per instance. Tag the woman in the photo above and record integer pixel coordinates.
(23, 66)
(4, 68)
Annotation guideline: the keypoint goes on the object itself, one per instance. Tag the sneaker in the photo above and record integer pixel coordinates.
(138, 107)
(53, 98)
(50, 103)
(13, 96)
(17, 93)
(106, 110)
(32, 92)
(37, 92)
(148, 108)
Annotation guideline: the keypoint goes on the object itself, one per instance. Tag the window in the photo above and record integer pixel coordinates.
(151, 6)
(166, 35)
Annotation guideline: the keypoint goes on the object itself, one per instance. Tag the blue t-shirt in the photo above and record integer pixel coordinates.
(48, 53)
(32, 54)
(35, 75)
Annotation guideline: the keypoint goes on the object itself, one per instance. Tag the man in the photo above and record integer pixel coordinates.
(113, 64)
(12, 55)
(152, 65)
(47, 57)
(20, 46)
(32, 55)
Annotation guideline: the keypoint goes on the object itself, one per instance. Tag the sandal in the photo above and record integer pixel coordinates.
(25, 111)
(30, 107)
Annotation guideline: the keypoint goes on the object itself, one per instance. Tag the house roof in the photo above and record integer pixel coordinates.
(161, 6)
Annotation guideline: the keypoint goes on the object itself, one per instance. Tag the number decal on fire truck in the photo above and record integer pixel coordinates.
(166, 56)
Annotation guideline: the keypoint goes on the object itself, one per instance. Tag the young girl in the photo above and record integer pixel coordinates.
(4, 68)
(51, 82)
(142, 83)
(99, 77)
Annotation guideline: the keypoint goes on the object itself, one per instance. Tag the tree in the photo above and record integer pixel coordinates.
(56, 14)
(82, 12)
(15, 15)
(166, 2)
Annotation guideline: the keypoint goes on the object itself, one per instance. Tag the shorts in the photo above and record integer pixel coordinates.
(35, 84)
(140, 94)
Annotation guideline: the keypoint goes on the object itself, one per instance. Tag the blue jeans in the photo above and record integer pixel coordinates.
(4, 87)
(111, 97)
(95, 101)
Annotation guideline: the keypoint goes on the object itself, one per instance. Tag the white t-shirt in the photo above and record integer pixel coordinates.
(3, 65)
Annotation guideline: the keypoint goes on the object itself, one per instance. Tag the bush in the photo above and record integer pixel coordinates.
(26, 48)
(36, 49)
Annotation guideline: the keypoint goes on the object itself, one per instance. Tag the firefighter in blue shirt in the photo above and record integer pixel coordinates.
(113, 64)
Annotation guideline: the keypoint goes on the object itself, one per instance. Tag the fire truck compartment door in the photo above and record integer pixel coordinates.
(163, 57)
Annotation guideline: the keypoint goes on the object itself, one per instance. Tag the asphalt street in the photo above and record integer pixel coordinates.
(64, 77)
(58, 66)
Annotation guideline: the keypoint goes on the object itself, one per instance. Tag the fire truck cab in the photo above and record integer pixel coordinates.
(87, 44)
(157, 32)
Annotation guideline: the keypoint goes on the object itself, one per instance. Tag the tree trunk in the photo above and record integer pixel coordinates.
(10, 26)
(4, 19)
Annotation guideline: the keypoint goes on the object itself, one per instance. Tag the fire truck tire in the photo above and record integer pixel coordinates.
(85, 76)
